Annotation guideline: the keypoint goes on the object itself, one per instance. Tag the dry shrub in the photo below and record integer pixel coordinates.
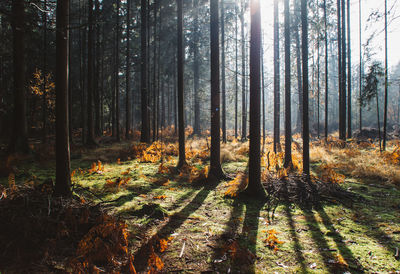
(226, 156)
(360, 162)
(237, 185)
(242, 149)
(238, 254)
(377, 171)
(352, 152)
(392, 157)
(116, 184)
(104, 244)
(41, 232)
(272, 240)
(197, 150)
(321, 154)
(193, 174)
(328, 174)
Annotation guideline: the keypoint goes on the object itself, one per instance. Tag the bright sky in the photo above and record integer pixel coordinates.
(368, 6)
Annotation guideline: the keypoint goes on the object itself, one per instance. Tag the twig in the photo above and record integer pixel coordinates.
(49, 205)
(88, 190)
(40, 9)
(183, 249)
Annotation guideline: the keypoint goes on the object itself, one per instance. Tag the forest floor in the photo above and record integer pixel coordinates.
(179, 222)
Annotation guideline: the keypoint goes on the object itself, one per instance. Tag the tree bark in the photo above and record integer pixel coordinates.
(223, 86)
(236, 71)
(340, 76)
(276, 79)
(145, 137)
(306, 131)
(116, 71)
(298, 67)
(255, 188)
(342, 115)
(215, 164)
(349, 127)
(90, 130)
(361, 65)
(128, 105)
(63, 176)
(196, 67)
(97, 62)
(19, 137)
(326, 71)
(181, 104)
(44, 72)
(244, 103)
(386, 83)
(288, 112)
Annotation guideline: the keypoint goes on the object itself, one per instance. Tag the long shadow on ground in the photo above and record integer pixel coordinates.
(239, 251)
(297, 245)
(340, 243)
(174, 222)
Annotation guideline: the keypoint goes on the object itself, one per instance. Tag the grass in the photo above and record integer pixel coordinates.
(214, 233)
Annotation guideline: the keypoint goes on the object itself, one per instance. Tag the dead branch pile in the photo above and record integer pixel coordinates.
(306, 193)
(40, 233)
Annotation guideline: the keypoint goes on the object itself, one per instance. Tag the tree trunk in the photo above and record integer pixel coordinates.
(117, 111)
(263, 93)
(326, 70)
(128, 105)
(349, 129)
(69, 83)
(145, 137)
(215, 164)
(63, 176)
(236, 71)
(223, 86)
(318, 75)
(244, 104)
(340, 76)
(155, 110)
(386, 83)
(90, 130)
(97, 92)
(379, 121)
(82, 42)
(19, 137)
(44, 72)
(276, 79)
(288, 112)
(196, 67)
(298, 67)
(361, 65)
(342, 115)
(255, 188)
(181, 104)
(306, 131)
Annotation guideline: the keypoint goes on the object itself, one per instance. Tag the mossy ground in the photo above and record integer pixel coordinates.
(331, 239)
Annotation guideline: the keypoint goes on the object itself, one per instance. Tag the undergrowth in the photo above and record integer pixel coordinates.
(175, 221)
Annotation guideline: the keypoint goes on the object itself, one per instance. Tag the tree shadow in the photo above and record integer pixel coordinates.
(297, 245)
(375, 232)
(181, 199)
(250, 226)
(346, 253)
(219, 259)
(174, 222)
(319, 240)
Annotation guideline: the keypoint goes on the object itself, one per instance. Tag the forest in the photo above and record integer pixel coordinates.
(199, 136)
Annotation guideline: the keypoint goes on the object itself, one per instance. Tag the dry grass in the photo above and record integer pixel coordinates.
(360, 161)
